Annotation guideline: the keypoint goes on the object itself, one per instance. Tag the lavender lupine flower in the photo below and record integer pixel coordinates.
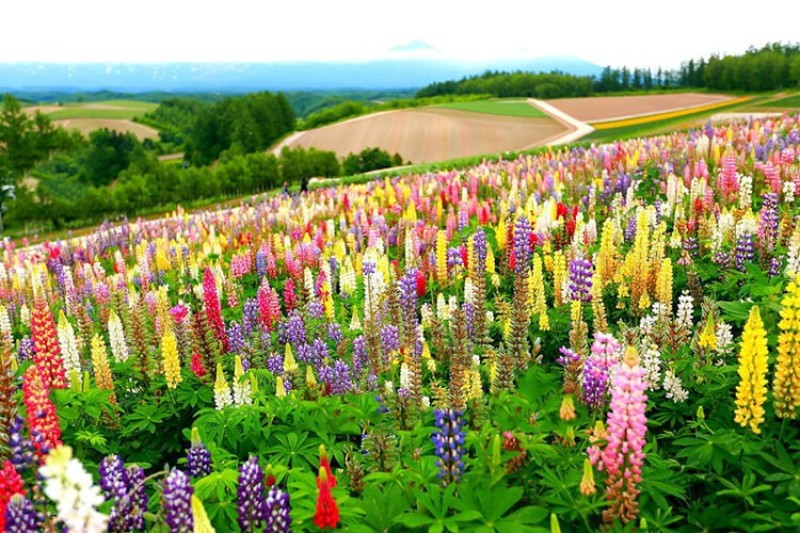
(177, 501)
(449, 443)
(295, 330)
(775, 266)
(275, 364)
(198, 458)
(250, 495)
(236, 338)
(745, 251)
(138, 496)
(580, 279)
(21, 517)
(250, 316)
(335, 332)
(277, 519)
(605, 353)
(261, 262)
(469, 315)
(630, 229)
(454, 258)
(522, 244)
(723, 259)
(390, 339)
(368, 268)
(769, 220)
(360, 357)
(479, 247)
(567, 356)
(22, 455)
(337, 377)
(320, 350)
(690, 245)
(316, 309)
(305, 354)
(407, 287)
(25, 349)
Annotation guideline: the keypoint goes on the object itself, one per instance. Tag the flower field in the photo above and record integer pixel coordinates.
(584, 339)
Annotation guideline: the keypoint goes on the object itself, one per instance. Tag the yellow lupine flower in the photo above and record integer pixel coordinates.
(172, 365)
(441, 256)
(786, 385)
(752, 389)
(289, 364)
(102, 372)
(201, 522)
(664, 284)
(708, 335)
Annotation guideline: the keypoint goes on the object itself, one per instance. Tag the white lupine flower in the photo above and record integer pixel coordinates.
(725, 343)
(405, 376)
(426, 311)
(69, 346)
(116, 337)
(242, 391)
(651, 363)
(789, 190)
(647, 324)
(745, 192)
(793, 255)
(674, 387)
(469, 291)
(685, 310)
(70, 486)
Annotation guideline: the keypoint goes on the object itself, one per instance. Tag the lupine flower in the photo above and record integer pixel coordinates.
(201, 522)
(69, 346)
(10, 484)
(22, 452)
(70, 487)
(752, 389)
(622, 457)
(277, 518)
(522, 244)
(198, 459)
(20, 516)
(172, 365)
(325, 464)
(327, 513)
(213, 309)
(580, 279)
(42, 418)
(242, 391)
(222, 392)
(250, 494)
(177, 502)
(47, 351)
(116, 337)
(786, 384)
(449, 445)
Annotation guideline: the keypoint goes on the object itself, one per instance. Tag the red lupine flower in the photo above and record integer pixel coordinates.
(213, 308)
(422, 284)
(47, 351)
(327, 514)
(289, 297)
(41, 412)
(464, 255)
(10, 484)
(561, 210)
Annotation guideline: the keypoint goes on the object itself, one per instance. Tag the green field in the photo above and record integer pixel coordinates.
(790, 102)
(122, 110)
(512, 108)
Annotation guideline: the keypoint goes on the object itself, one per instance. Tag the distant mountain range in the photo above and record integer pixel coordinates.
(242, 77)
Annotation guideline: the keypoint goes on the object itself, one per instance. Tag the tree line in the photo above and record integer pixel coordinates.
(772, 67)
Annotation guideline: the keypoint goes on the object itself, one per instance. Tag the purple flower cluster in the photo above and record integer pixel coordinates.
(25, 349)
(449, 442)
(275, 364)
(177, 501)
(580, 279)
(390, 339)
(316, 309)
(360, 357)
(22, 455)
(745, 251)
(769, 220)
(251, 500)
(236, 338)
(295, 330)
(125, 487)
(604, 354)
(337, 377)
(479, 248)
(277, 519)
(335, 332)
(407, 287)
(250, 316)
(198, 460)
(21, 517)
(522, 244)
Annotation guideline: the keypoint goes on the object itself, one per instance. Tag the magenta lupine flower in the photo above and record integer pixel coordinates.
(728, 182)
(623, 456)
(213, 308)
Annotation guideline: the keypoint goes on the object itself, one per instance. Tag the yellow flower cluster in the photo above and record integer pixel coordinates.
(441, 257)
(752, 389)
(102, 372)
(786, 385)
(172, 365)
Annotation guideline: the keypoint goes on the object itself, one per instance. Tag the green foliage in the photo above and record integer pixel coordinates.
(513, 108)
(369, 159)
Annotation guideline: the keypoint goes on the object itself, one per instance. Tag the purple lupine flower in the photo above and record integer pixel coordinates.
(236, 338)
(25, 349)
(305, 354)
(22, 455)
(368, 268)
(522, 244)
(320, 350)
(198, 458)
(469, 315)
(295, 330)
(277, 519)
(316, 309)
(177, 500)
(691, 246)
(567, 356)
(580, 279)
(630, 229)
(335, 332)
(479, 248)
(454, 258)
(768, 222)
(360, 357)
(605, 353)
(745, 251)
(138, 497)
(449, 443)
(21, 517)
(390, 339)
(337, 377)
(275, 364)
(250, 495)
(250, 316)
(723, 259)
(407, 288)
(775, 266)
(261, 261)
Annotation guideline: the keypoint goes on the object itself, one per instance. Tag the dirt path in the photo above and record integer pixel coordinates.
(577, 129)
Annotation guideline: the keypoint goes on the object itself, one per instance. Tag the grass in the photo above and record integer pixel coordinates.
(128, 109)
(791, 102)
(511, 108)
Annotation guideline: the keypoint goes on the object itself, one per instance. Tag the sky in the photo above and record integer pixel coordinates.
(606, 32)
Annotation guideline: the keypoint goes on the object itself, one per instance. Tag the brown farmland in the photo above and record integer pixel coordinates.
(426, 135)
(88, 125)
(600, 108)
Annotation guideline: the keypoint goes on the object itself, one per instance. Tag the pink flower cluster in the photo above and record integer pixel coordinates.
(622, 457)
